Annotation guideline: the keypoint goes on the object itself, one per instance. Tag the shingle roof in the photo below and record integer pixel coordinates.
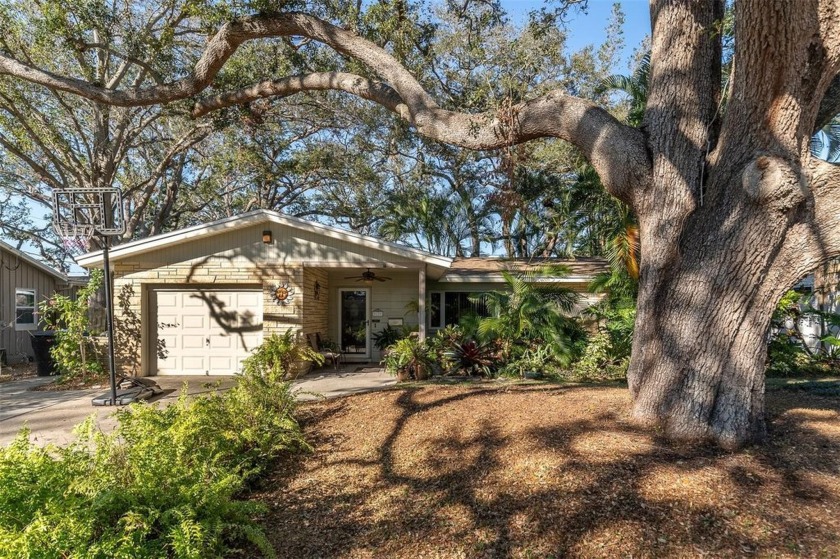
(580, 268)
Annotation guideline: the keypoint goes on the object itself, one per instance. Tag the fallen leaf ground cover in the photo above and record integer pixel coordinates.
(549, 471)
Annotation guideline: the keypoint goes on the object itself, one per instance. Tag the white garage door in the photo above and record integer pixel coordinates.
(205, 331)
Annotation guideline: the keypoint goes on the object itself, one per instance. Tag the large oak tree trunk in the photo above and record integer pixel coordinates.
(728, 219)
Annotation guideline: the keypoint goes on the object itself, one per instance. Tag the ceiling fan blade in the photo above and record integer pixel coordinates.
(353, 277)
(381, 278)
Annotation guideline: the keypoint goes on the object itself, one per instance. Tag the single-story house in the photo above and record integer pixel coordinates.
(200, 299)
(24, 283)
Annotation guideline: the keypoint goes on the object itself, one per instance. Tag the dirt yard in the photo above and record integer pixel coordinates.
(530, 472)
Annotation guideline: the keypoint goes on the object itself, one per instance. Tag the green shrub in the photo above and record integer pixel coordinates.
(278, 355)
(387, 337)
(600, 360)
(164, 484)
(537, 360)
(74, 351)
(407, 355)
(528, 314)
(787, 353)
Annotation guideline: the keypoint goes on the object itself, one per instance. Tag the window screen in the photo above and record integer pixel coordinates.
(25, 309)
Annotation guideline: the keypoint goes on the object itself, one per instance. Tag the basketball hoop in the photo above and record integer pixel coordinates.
(74, 239)
(81, 212)
(78, 214)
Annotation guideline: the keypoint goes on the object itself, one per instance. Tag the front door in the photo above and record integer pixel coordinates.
(353, 323)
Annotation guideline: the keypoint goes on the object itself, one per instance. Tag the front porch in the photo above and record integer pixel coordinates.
(349, 306)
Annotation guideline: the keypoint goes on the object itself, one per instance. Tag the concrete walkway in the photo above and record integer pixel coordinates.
(51, 416)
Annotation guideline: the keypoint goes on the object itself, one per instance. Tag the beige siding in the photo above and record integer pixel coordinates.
(290, 247)
(17, 273)
(316, 311)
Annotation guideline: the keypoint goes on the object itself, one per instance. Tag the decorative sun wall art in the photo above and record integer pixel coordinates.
(284, 293)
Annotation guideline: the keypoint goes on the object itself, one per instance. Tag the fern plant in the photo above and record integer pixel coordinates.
(277, 356)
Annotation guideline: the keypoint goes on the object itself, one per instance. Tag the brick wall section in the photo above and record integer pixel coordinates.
(316, 311)
(132, 281)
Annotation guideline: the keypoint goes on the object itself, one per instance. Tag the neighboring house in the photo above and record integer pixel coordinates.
(24, 283)
(824, 286)
(198, 300)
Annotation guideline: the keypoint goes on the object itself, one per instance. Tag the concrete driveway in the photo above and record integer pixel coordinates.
(51, 416)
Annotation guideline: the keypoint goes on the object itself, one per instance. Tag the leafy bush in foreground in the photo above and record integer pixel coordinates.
(75, 350)
(163, 484)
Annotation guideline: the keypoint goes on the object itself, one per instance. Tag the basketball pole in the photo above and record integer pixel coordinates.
(109, 319)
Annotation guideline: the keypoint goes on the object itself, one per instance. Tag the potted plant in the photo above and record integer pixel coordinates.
(282, 356)
(407, 358)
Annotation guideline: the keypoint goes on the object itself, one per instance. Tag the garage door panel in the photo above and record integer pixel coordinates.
(193, 322)
(194, 366)
(168, 300)
(169, 341)
(250, 342)
(223, 363)
(222, 343)
(187, 319)
(193, 300)
(193, 342)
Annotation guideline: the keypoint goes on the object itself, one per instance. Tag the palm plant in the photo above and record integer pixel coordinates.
(525, 313)
(635, 86)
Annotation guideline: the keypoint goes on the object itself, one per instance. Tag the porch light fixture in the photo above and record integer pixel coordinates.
(317, 294)
(267, 236)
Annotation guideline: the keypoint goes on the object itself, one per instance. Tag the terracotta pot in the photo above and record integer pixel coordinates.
(299, 369)
(403, 376)
(420, 373)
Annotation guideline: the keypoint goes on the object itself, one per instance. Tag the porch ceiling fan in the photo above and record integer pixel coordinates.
(368, 276)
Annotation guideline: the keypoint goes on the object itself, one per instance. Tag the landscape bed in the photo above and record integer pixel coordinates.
(549, 471)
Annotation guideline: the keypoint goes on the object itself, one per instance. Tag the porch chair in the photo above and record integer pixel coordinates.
(330, 356)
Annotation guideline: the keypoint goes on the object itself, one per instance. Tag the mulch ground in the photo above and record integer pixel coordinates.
(550, 471)
(17, 371)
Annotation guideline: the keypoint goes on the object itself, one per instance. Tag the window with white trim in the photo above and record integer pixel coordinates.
(25, 318)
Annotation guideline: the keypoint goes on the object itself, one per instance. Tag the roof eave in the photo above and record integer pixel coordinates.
(35, 263)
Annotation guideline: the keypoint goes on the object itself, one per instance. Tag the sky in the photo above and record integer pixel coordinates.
(588, 29)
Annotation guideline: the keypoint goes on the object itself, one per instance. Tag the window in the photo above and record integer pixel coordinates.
(458, 305)
(25, 309)
(436, 309)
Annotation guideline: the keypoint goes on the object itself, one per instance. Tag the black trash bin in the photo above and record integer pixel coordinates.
(41, 344)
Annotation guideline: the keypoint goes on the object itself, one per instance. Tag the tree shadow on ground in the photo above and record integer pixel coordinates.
(536, 472)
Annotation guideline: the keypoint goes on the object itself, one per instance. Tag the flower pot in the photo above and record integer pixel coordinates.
(421, 373)
(532, 375)
(403, 375)
(299, 369)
